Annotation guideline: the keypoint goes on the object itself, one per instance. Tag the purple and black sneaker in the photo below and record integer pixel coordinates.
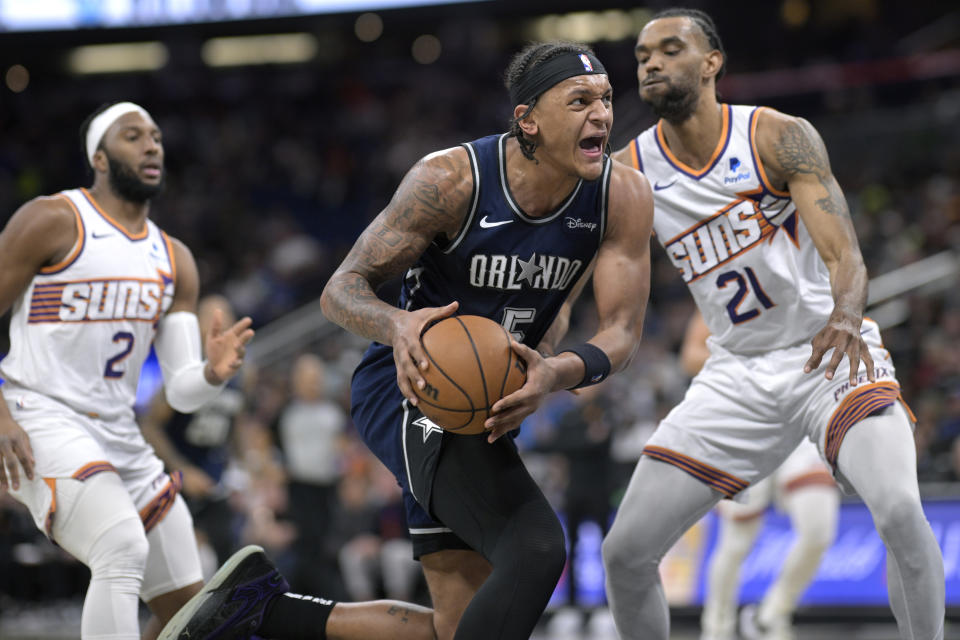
(232, 604)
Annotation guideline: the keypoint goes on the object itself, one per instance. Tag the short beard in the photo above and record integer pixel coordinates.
(128, 186)
(675, 106)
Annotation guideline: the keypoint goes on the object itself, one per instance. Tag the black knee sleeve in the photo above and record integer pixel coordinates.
(485, 494)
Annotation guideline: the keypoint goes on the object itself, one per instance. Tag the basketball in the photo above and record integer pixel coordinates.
(471, 367)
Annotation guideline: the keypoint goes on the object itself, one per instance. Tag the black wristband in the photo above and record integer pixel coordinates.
(596, 364)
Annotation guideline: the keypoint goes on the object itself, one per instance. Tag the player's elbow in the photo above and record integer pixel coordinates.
(330, 302)
(635, 349)
(326, 302)
(630, 346)
(187, 388)
(331, 298)
(183, 402)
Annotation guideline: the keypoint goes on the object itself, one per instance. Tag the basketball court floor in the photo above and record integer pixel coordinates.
(598, 625)
(61, 621)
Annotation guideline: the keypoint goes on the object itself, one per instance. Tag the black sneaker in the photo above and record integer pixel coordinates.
(231, 605)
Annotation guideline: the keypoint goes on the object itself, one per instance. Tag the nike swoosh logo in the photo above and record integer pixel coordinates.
(97, 236)
(489, 225)
(660, 187)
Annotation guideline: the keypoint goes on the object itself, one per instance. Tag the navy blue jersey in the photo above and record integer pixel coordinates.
(504, 264)
(203, 437)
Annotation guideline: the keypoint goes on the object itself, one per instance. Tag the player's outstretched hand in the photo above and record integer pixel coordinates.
(408, 353)
(225, 349)
(14, 447)
(508, 412)
(842, 334)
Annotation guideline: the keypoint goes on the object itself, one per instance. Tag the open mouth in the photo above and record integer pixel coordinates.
(592, 145)
(151, 170)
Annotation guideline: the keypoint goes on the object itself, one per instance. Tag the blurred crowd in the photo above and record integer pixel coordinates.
(271, 176)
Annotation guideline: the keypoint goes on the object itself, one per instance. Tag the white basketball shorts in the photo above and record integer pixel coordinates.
(68, 444)
(804, 467)
(743, 415)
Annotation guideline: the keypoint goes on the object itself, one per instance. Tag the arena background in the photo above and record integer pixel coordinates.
(288, 124)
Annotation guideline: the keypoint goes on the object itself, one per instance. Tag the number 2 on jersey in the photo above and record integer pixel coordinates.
(109, 371)
(733, 307)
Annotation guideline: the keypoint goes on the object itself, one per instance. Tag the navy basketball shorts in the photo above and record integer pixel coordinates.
(405, 440)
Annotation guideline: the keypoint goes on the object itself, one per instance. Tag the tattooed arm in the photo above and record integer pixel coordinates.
(794, 155)
(431, 200)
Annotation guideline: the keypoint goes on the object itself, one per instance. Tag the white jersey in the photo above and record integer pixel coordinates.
(83, 328)
(737, 241)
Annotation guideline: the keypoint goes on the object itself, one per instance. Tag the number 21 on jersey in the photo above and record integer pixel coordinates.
(744, 285)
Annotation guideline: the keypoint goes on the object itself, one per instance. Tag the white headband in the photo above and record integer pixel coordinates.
(102, 122)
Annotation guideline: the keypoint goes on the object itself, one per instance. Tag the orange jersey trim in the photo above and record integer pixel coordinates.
(822, 478)
(635, 153)
(171, 255)
(62, 283)
(754, 119)
(907, 408)
(77, 247)
(747, 517)
(721, 145)
(48, 524)
(106, 216)
(854, 408)
(92, 469)
(723, 482)
(155, 511)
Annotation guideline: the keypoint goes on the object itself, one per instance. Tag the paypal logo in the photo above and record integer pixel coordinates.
(738, 171)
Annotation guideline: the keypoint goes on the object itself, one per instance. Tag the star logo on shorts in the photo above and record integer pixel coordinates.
(428, 426)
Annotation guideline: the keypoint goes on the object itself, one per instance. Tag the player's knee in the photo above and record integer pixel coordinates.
(551, 558)
(817, 536)
(120, 551)
(613, 547)
(900, 511)
(738, 537)
(542, 552)
(622, 555)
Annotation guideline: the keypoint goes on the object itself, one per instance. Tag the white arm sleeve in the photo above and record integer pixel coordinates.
(178, 349)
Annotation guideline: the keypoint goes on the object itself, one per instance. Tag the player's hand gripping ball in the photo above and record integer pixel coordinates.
(471, 367)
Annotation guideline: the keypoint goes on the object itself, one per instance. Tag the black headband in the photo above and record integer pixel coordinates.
(553, 71)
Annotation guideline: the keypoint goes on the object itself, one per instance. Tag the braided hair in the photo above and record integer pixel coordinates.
(522, 63)
(706, 25)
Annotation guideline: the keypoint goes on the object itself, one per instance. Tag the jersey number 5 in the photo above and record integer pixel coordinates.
(733, 307)
(109, 371)
(514, 319)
